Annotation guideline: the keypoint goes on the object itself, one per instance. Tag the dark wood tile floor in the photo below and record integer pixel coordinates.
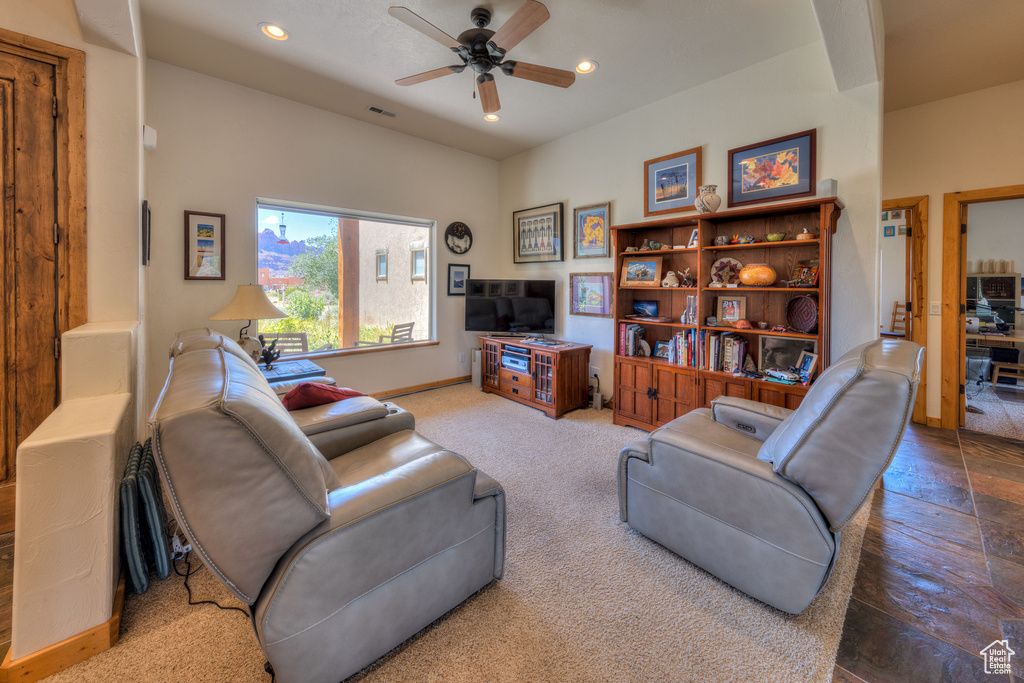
(941, 572)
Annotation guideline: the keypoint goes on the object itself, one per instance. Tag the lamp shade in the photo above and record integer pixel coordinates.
(250, 303)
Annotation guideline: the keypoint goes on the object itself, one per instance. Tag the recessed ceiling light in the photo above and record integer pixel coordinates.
(274, 31)
(491, 117)
(587, 66)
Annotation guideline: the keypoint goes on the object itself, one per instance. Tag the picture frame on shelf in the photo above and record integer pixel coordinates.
(773, 170)
(639, 271)
(458, 276)
(537, 234)
(591, 294)
(591, 238)
(645, 308)
(694, 237)
(805, 274)
(672, 182)
(782, 353)
(204, 246)
(806, 364)
(661, 349)
(730, 309)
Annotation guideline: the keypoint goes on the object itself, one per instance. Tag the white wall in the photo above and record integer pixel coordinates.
(222, 145)
(786, 94)
(968, 142)
(995, 232)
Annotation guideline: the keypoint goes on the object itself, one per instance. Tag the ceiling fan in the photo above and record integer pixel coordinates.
(483, 50)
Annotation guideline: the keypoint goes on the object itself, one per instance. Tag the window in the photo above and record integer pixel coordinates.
(328, 269)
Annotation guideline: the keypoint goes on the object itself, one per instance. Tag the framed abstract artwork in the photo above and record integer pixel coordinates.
(590, 225)
(773, 170)
(204, 246)
(590, 294)
(671, 183)
(537, 234)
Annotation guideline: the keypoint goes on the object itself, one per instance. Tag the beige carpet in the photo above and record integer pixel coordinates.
(583, 599)
(1002, 410)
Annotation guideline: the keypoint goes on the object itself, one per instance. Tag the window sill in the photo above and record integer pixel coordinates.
(335, 353)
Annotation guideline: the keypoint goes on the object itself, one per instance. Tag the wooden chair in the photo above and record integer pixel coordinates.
(898, 326)
(400, 333)
(288, 342)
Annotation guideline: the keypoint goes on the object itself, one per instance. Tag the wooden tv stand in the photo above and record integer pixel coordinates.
(550, 378)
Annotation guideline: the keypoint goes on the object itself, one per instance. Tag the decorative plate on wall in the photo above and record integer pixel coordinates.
(458, 238)
(726, 271)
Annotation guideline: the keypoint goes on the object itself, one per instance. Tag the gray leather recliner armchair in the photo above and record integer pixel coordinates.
(342, 552)
(759, 495)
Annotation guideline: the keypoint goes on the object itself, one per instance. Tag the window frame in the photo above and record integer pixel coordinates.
(382, 252)
(372, 216)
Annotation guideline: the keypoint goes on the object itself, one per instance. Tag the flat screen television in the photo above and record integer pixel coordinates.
(510, 306)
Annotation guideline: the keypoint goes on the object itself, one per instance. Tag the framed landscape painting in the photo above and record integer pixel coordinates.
(773, 170)
(671, 183)
(641, 272)
(591, 294)
(590, 224)
(458, 275)
(204, 246)
(537, 234)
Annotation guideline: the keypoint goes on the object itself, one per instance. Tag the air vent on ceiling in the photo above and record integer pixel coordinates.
(382, 112)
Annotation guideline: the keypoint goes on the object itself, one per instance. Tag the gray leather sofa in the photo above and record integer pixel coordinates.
(341, 551)
(759, 495)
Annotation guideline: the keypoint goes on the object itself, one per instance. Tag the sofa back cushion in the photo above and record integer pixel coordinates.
(204, 338)
(843, 436)
(244, 481)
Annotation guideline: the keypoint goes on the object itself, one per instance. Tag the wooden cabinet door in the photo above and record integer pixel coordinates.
(544, 378)
(492, 363)
(633, 385)
(714, 386)
(782, 397)
(676, 393)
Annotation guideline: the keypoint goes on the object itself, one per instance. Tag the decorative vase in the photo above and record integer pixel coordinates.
(708, 201)
(757, 275)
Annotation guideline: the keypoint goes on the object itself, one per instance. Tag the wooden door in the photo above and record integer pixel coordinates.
(492, 363)
(714, 386)
(675, 393)
(29, 262)
(633, 390)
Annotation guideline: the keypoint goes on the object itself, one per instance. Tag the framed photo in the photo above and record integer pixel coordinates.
(537, 234)
(889, 231)
(671, 183)
(204, 246)
(640, 272)
(147, 219)
(806, 364)
(645, 308)
(661, 349)
(901, 231)
(458, 276)
(782, 353)
(693, 239)
(590, 225)
(896, 215)
(591, 294)
(805, 273)
(731, 309)
(772, 170)
(885, 215)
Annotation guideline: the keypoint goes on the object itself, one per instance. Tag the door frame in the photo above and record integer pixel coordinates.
(954, 293)
(72, 301)
(918, 285)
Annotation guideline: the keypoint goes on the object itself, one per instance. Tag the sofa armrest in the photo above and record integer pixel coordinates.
(752, 418)
(336, 429)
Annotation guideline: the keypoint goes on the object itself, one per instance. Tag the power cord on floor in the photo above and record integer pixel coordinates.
(187, 574)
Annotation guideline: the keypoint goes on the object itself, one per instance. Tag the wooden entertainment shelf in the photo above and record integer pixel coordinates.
(651, 391)
(550, 378)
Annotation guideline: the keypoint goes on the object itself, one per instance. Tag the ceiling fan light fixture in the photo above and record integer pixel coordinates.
(587, 66)
(273, 31)
(491, 118)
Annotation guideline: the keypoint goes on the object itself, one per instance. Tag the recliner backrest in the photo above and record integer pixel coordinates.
(244, 481)
(843, 436)
(199, 338)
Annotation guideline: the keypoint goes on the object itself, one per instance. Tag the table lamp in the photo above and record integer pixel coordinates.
(250, 303)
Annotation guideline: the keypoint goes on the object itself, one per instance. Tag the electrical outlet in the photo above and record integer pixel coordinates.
(595, 371)
(933, 308)
(462, 356)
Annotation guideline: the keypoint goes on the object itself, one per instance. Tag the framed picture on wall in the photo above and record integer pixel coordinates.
(590, 225)
(889, 231)
(672, 182)
(537, 234)
(773, 170)
(204, 246)
(458, 276)
(591, 294)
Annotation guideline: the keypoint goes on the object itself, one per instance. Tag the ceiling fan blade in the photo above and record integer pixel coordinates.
(430, 75)
(543, 74)
(488, 93)
(521, 24)
(410, 18)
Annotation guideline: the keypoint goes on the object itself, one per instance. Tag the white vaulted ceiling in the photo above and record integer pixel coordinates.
(344, 56)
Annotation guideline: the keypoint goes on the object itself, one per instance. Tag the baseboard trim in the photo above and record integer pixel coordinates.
(69, 652)
(418, 387)
(935, 422)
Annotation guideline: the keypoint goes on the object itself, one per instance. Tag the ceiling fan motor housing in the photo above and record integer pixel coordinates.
(481, 16)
